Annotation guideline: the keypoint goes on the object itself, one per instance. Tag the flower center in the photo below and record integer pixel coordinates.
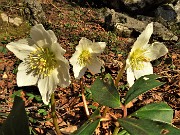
(41, 62)
(136, 59)
(84, 58)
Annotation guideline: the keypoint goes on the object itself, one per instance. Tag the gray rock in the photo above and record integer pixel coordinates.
(136, 6)
(162, 32)
(166, 12)
(177, 9)
(33, 12)
(125, 25)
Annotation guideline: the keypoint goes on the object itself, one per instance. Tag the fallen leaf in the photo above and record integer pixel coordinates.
(68, 130)
(4, 75)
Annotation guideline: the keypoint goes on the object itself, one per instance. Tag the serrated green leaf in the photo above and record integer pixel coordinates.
(89, 126)
(105, 93)
(17, 121)
(142, 85)
(147, 127)
(155, 111)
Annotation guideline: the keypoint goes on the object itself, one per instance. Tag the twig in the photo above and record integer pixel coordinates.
(54, 6)
(84, 98)
(53, 111)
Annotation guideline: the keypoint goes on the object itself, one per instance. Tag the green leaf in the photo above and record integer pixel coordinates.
(17, 121)
(30, 95)
(155, 111)
(142, 85)
(3, 49)
(89, 126)
(105, 93)
(16, 93)
(38, 98)
(123, 132)
(42, 111)
(147, 127)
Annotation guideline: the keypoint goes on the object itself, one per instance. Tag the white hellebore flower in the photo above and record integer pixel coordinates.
(85, 57)
(43, 62)
(138, 62)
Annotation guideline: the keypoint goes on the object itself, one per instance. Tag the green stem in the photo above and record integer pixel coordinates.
(120, 74)
(116, 130)
(84, 98)
(53, 111)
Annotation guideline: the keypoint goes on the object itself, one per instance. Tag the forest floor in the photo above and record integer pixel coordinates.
(70, 22)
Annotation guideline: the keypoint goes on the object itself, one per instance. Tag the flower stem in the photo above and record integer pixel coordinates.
(53, 111)
(120, 74)
(105, 111)
(124, 108)
(116, 130)
(83, 98)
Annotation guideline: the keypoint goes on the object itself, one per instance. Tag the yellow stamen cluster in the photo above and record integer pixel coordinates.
(84, 58)
(41, 62)
(136, 59)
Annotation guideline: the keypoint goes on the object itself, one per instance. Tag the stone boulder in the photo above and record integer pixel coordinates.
(166, 12)
(125, 26)
(33, 12)
(177, 9)
(136, 6)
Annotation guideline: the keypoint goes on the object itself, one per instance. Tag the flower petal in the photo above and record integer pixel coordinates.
(95, 66)
(98, 47)
(148, 69)
(24, 79)
(47, 86)
(53, 36)
(74, 59)
(63, 74)
(20, 49)
(156, 50)
(78, 71)
(40, 35)
(130, 76)
(144, 37)
(58, 51)
(84, 44)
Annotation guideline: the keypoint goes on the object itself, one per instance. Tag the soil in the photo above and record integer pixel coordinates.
(70, 21)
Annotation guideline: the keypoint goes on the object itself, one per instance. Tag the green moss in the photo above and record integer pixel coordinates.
(9, 32)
